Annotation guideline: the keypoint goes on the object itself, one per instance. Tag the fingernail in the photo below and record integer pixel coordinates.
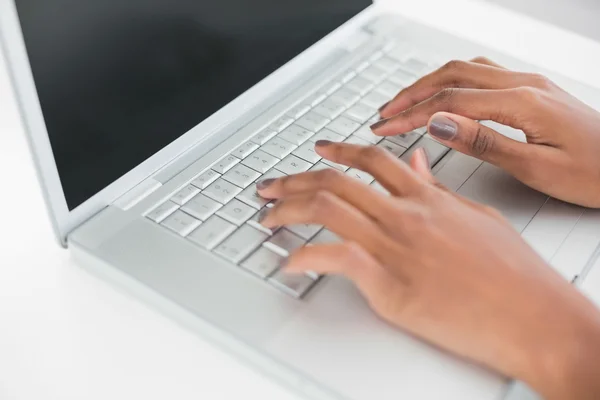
(443, 128)
(379, 124)
(264, 183)
(323, 143)
(383, 107)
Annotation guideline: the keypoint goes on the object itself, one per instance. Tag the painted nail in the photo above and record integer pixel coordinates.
(443, 128)
(261, 185)
(379, 124)
(383, 107)
(323, 143)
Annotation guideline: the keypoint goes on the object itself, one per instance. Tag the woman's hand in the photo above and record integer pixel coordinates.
(443, 268)
(562, 156)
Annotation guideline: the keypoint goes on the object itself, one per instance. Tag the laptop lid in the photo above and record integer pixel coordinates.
(106, 87)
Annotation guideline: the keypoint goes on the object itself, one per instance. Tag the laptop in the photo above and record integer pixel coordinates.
(150, 122)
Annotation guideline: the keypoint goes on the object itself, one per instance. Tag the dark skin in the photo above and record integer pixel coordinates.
(440, 266)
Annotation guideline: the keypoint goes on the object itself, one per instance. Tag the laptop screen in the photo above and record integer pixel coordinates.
(120, 79)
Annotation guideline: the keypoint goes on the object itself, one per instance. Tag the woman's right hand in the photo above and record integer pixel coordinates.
(562, 153)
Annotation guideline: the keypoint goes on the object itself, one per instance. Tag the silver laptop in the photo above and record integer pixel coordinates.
(151, 121)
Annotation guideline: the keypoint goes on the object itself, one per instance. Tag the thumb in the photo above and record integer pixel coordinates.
(474, 139)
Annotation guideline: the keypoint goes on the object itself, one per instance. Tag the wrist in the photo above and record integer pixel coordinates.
(566, 363)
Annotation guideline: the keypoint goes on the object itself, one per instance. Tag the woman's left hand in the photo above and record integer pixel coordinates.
(442, 267)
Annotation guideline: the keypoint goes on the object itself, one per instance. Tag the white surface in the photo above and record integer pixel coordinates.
(67, 335)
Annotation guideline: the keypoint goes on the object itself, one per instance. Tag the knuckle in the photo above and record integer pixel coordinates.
(370, 154)
(328, 177)
(454, 65)
(482, 142)
(445, 97)
(482, 60)
(528, 95)
(320, 204)
(541, 81)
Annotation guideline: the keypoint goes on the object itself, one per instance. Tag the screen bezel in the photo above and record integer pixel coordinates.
(65, 220)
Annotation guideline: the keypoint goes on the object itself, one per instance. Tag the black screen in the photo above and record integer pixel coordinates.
(120, 79)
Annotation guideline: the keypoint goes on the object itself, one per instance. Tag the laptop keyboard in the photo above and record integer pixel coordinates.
(220, 209)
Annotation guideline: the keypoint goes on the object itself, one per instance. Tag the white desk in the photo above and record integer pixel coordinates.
(67, 335)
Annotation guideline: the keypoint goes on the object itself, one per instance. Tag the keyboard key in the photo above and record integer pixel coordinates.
(255, 222)
(201, 207)
(406, 140)
(245, 150)
(435, 151)
(357, 140)
(181, 223)
(163, 211)
(292, 165)
(241, 176)
(373, 74)
(418, 67)
(226, 164)
(263, 262)
(325, 237)
(343, 126)
(346, 97)
(211, 233)
(326, 134)
(377, 186)
(360, 85)
(361, 113)
(387, 64)
(236, 212)
(185, 194)
(360, 175)
(362, 66)
(251, 197)
(320, 166)
(281, 123)
(402, 78)
(296, 134)
(278, 147)
(241, 243)
(312, 121)
(392, 148)
(271, 174)
(205, 179)
(305, 231)
(365, 132)
(260, 161)
(330, 108)
(307, 152)
(264, 136)
(284, 242)
(299, 110)
(388, 89)
(330, 88)
(337, 166)
(347, 76)
(374, 100)
(295, 285)
(315, 99)
(222, 191)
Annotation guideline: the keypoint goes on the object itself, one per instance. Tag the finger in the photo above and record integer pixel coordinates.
(420, 163)
(390, 172)
(474, 139)
(350, 260)
(351, 190)
(487, 61)
(324, 208)
(508, 107)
